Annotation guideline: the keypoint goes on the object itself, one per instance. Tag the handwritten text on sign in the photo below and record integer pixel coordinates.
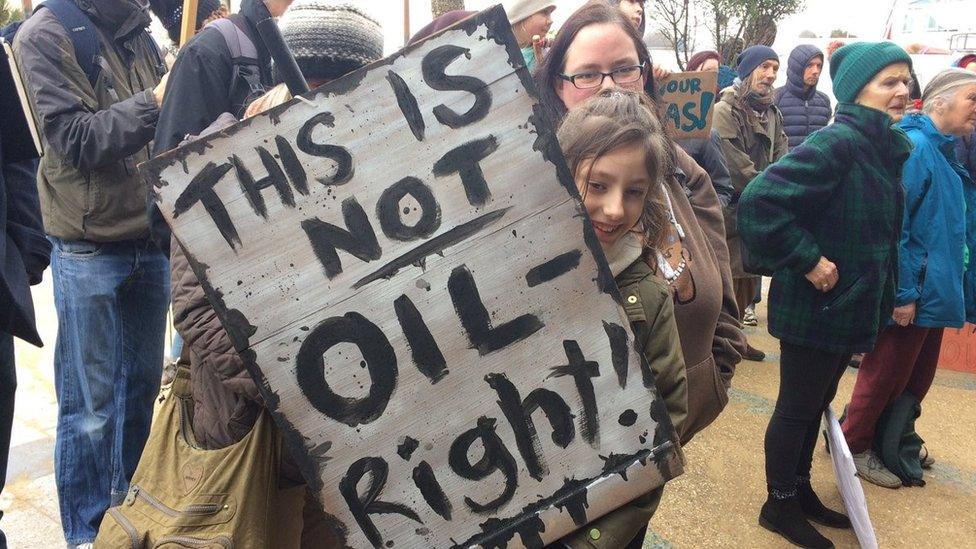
(403, 261)
(689, 97)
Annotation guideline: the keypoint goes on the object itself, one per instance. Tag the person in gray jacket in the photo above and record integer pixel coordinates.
(111, 283)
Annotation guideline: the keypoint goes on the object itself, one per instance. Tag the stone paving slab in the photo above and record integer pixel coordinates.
(714, 504)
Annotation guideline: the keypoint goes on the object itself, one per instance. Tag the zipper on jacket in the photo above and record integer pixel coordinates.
(194, 510)
(126, 526)
(187, 541)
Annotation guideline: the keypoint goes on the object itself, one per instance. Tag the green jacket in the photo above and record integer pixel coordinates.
(650, 310)
(749, 146)
(837, 195)
(93, 136)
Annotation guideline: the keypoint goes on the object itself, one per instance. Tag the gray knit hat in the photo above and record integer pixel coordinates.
(330, 38)
(947, 81)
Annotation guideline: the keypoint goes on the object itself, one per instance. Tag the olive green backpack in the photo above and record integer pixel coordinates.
(182, 496)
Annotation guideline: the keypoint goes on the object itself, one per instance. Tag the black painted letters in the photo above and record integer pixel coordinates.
(381, 363)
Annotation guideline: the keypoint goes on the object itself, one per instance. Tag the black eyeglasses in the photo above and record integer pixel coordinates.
(589, 80)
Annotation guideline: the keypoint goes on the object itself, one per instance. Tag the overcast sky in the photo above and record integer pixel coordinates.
(865, 18)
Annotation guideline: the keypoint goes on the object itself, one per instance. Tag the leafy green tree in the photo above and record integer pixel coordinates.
(738, 24)
(8, 14)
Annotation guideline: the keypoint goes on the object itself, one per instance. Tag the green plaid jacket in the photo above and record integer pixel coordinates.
(837, 195)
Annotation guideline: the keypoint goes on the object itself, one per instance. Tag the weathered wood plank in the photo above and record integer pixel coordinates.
(397, 366)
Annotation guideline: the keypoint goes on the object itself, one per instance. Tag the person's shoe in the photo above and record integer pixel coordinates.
(786, 518)
(815, 510)
(749, 316)
(870, 468)
(754, 354)
(927, 460)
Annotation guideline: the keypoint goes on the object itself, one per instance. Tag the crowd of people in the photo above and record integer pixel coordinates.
(862, 213)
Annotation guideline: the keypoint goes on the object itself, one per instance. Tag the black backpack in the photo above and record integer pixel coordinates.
(896, 441)
(246, 83)
(84, 38)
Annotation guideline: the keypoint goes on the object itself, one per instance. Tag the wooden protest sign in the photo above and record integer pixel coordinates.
(402, 259)
(689, 97)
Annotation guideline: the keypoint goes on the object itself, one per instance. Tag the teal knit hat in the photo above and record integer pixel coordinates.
(854, 65)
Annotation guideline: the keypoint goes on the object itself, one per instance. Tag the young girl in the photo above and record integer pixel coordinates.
(596, 49)
(618, 154)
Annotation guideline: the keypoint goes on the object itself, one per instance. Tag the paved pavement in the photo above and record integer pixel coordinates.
(715, 504)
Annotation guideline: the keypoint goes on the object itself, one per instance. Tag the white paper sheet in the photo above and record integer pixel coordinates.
(848, 483)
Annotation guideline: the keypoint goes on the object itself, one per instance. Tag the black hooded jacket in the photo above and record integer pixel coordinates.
(199, 90)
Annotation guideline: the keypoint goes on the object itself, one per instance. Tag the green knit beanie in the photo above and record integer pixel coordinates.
(854, 65)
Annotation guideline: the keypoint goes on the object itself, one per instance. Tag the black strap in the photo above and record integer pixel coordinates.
(82, 33)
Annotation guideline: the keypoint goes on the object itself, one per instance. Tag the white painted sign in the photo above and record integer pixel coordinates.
(403, 260)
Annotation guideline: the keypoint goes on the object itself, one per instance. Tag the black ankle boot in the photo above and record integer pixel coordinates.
(815, 510)
(786, 518)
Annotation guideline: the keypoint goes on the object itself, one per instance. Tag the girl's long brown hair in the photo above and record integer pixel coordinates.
(618, 118)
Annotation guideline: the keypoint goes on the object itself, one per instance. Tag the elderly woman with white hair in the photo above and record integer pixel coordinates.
(937, 274)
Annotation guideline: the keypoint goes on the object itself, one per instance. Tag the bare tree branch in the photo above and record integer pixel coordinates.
(675, 20)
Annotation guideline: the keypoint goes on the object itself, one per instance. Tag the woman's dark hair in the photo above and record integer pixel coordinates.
(595, 12)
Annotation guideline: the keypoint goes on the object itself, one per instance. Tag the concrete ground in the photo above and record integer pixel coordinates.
(714, 504)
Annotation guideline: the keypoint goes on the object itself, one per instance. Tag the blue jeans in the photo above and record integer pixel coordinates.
(111, 300)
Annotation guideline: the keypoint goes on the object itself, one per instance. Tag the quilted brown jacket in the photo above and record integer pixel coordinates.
(226, 402)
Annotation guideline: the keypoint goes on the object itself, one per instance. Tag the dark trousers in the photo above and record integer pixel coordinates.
(745, 292)
(808, 382)
(904, 359)
(8, 385)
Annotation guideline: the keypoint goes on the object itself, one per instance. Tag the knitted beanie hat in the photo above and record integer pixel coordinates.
(699, 59)
(170, 14)
(854, 65)
(752, 57)
(330, 38)
(519, 10)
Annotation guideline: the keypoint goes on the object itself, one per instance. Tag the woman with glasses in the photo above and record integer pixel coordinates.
(598, 49)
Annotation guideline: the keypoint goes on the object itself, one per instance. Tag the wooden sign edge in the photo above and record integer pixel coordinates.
(239, 328)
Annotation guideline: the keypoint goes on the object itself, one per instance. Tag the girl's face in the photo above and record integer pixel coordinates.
(603, 47)
(536, 24)
(633, 10)
(888, 91)
(709, 65)
(614, 188)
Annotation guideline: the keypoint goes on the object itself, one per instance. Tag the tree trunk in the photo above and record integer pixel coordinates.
(440, 7)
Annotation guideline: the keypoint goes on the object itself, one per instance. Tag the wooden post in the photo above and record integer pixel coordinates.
(188, 26)
(406, 21)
